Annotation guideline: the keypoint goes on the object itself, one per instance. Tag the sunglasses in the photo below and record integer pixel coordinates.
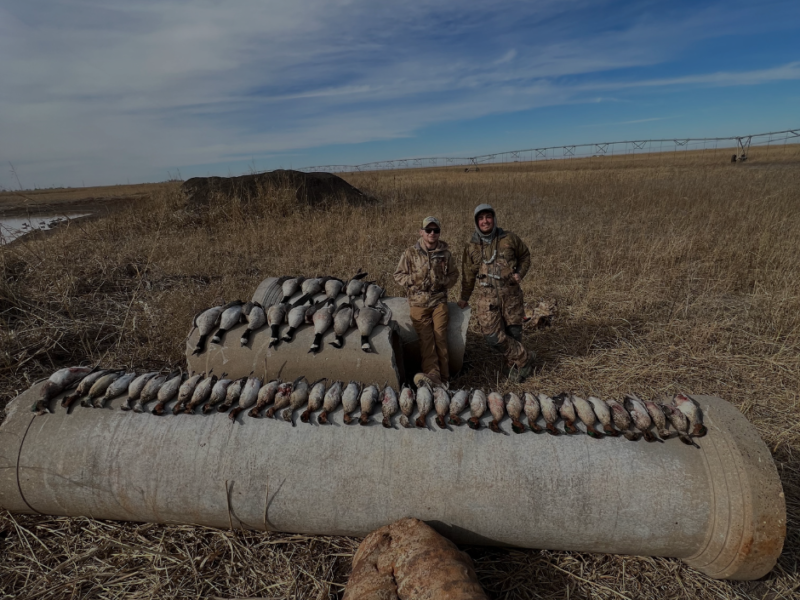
(436, 231)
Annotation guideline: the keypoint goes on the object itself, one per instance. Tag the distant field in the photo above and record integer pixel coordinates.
(674, 272)
(25, 202)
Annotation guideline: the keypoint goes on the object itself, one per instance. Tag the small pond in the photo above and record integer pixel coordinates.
(13, 227)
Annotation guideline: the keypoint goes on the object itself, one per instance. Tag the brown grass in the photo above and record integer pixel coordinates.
(671, 273)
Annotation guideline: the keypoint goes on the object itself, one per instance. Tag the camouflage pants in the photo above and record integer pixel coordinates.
(500, 313)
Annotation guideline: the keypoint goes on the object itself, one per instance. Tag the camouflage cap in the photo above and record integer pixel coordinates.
(428, 220)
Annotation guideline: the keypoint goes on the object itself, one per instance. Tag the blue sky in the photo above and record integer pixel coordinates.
(103, 92)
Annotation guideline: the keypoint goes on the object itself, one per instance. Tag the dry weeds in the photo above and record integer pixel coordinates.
(672, 274)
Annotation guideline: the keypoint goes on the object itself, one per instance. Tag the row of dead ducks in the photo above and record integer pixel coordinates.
(322, 315)
(633, 417)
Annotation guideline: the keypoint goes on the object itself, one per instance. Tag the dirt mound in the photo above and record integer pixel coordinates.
(310, 188)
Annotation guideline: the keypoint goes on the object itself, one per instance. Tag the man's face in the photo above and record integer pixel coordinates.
(431, 235)
(485, 221)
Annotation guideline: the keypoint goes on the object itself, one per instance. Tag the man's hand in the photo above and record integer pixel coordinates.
(462, 304)
(516, 277)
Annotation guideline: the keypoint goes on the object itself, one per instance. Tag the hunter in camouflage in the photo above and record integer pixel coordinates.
(427, 270)
(497, 260)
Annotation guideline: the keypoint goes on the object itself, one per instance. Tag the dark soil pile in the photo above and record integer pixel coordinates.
(309, 188)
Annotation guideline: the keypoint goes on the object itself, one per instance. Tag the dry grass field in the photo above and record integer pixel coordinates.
(673, 273)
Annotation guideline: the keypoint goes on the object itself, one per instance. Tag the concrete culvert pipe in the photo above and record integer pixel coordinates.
(395, 356)
(720, 508)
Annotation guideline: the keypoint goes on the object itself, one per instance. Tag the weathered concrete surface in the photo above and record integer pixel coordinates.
(289, 360)
(269, 292)
(720, 508)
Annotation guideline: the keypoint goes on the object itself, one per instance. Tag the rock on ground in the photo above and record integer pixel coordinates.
(409, 560)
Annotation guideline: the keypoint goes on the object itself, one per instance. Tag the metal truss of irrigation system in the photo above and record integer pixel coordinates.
(742, 143)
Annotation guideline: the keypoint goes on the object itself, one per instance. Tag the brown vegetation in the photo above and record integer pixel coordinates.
(670, 275)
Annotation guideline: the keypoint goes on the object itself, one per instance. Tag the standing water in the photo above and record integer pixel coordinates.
(13, 227)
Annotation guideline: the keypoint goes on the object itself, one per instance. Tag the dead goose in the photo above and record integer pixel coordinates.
(457, 405)
(367, 318)
(312, 287)
(290, 287)
(57, 383)
(333, 287)
(368, 399)
(201, 393)
(389, 405)
(355, 287)
(229, 318)
(135, 388)
(265, 395)
(247, 397)
(100, 386)
(297, 400)
(205, 323)
(333, 397)
(185, 392)
(276, 314)
(350, 400)
(83, 387)
(315, 398)
(167, 392)
(373, 294)
(118, 387)
(322, 319)
(342, 322)
(255, 321)
(296, 317)
(407, 403)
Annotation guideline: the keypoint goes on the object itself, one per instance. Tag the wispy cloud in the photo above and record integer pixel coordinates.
(106, 91)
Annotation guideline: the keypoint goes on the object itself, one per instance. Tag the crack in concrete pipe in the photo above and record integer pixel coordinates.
(720, 508)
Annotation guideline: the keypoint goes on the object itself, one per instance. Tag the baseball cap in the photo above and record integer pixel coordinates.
(428, 220)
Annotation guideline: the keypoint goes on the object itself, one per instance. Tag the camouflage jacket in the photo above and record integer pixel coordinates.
(426, 274)
(493, 264)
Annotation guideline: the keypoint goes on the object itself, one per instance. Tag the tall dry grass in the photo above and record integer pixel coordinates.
(670, 275)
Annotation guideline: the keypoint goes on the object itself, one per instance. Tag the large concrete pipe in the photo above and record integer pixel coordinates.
(720, 508)
(407, 354)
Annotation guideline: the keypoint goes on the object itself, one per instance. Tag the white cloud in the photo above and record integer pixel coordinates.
(102, 92)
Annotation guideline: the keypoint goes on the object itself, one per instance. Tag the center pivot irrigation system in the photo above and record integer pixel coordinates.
(742, 143)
